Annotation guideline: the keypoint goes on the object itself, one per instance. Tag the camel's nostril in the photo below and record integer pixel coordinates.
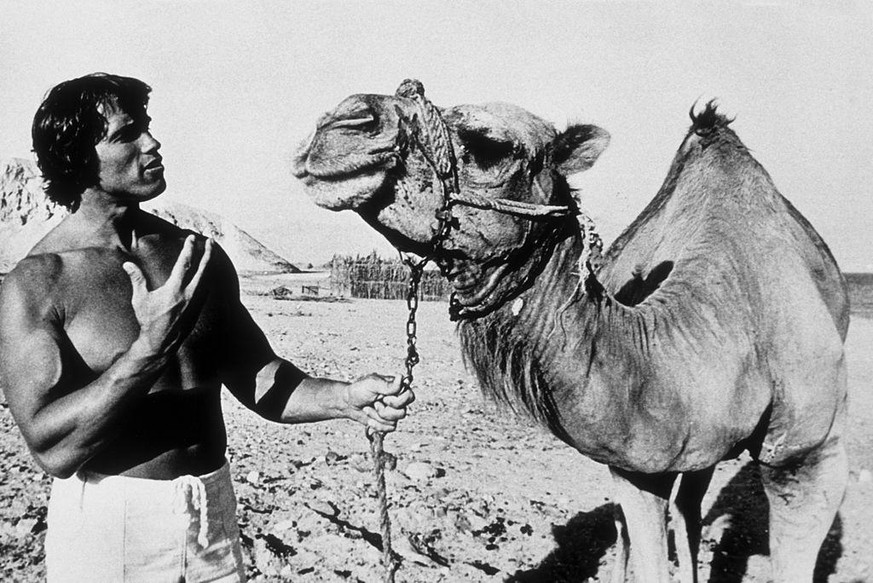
(353, 122)
(353, 113)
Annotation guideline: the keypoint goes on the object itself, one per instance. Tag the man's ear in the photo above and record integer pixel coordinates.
(578, 147)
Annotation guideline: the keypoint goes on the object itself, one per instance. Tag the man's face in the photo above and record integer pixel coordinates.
(130, 165)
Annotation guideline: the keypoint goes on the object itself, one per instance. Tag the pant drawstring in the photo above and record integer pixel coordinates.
(197, 489)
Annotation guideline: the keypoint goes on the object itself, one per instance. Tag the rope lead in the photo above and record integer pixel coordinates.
(376, 450)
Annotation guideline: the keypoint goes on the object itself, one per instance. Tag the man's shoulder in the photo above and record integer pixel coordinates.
(36, 269)
(51, 266)
(31, 282)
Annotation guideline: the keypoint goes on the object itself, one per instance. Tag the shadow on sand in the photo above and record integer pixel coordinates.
(744, 501)
(583, 542)
(581, 546)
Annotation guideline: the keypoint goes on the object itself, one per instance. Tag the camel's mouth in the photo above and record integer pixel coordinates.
(341, 182)
(308, 165)
(356, 189)
(472, 282)
(346, 160)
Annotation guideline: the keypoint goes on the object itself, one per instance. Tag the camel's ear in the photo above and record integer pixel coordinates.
(578, 147)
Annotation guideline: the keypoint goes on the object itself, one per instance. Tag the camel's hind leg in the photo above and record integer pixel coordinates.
(686, 521)
(643, 500)
(804, 499)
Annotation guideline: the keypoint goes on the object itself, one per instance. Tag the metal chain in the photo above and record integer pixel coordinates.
(389, 561)
(415, 273)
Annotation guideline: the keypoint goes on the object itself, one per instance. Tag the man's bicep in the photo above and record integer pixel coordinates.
(30, 354)
(250, 368)
(246, 351)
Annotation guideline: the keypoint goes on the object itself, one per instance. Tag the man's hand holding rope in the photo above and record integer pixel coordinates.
(378, 402)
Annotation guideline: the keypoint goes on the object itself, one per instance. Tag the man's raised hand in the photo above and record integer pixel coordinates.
(165, 314)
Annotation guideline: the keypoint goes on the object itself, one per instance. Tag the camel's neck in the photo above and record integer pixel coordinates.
(540, 352)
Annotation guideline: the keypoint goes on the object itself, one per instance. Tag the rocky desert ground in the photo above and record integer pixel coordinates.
(477, 494)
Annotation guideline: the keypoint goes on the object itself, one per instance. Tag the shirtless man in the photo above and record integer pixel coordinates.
(117, 332)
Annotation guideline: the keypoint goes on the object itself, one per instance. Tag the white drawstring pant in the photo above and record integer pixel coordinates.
(116, 529)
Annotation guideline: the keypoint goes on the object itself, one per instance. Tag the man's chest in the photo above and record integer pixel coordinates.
(100, 321)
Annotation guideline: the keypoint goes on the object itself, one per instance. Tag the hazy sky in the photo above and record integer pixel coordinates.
(236, 86)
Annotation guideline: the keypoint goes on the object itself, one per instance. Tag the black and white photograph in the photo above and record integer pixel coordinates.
(436, 292)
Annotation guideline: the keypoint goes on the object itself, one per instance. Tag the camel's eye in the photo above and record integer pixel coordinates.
(484, 150)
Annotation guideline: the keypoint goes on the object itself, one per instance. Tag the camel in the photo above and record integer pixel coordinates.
(713, 325)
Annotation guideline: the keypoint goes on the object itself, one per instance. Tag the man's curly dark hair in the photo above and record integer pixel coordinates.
(69, 123)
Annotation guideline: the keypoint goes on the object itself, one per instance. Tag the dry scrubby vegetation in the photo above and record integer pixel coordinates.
(372, 277)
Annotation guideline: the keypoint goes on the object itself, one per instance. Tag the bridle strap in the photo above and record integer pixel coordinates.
(513, 207)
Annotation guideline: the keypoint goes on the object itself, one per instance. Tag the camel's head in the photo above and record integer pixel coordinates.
(380, 156)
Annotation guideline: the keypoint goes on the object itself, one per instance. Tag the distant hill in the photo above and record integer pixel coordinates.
(26, 215)
(246, 252)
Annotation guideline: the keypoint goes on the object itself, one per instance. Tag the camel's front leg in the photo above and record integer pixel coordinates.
(643, 500)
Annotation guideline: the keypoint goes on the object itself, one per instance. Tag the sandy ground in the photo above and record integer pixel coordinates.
(476, 494)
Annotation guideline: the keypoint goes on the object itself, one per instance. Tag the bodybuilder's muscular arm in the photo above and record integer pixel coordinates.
(279, 391)
(65, 413)
(285, 394)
